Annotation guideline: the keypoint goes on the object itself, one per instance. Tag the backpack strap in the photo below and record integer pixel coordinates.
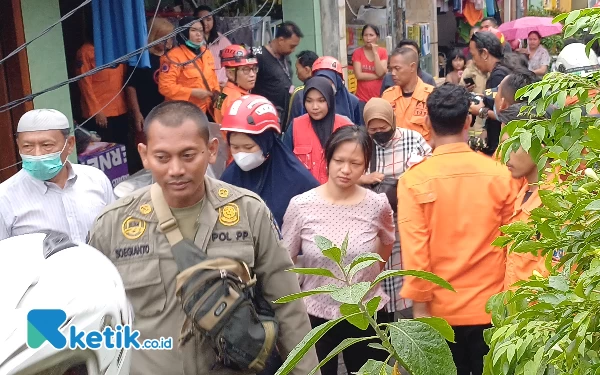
(166, 222)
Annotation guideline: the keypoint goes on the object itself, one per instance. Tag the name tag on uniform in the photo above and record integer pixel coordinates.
(226, 236)
(420, 109)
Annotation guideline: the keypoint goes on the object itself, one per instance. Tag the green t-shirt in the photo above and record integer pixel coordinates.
(187, 219)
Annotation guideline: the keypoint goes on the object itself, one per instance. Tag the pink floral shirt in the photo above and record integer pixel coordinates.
(309, 215)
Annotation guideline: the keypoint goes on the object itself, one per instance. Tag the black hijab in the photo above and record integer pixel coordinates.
(324, 127)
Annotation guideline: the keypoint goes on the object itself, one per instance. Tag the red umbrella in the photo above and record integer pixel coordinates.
(520, 28)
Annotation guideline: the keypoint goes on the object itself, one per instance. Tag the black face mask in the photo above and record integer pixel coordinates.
(382, 138)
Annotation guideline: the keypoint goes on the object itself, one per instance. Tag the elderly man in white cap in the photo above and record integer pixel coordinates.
(50, 193)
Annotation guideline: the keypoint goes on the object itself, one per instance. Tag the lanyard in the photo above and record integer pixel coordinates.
(282, 65)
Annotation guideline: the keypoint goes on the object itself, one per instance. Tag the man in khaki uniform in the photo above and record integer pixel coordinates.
(409, 95)
(221, 219)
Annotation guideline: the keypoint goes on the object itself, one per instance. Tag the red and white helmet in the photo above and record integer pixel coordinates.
(251, 114)
(236, 55)
(329, 63)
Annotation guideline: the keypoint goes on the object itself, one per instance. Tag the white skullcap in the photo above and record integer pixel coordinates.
(42, 119)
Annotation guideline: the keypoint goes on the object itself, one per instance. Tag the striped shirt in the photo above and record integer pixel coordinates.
(393, 161)
(28, 205)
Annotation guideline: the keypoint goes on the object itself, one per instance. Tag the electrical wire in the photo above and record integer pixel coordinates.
(24, 45)
(80, 126)
(199, 56)
(128, 78)
(112, 64)
(128, 56)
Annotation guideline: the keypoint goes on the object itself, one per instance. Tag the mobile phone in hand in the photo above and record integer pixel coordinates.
(469, 81)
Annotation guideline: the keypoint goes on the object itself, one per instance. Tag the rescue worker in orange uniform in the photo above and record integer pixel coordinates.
(409, 95)
(439, 200)
(520, 266)
(102, 88)
(184, 75)
(241, 67)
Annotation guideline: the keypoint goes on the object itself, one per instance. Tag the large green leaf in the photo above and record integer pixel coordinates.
(323, 243)
(363, 261)
(346, 343)
(516, 227)
(421, 348)
(344, 247)
(360, 321)
(351, 294)
(313, 271)
(501, 241)
(335, 254)
(373, 367)
(320, 290)
(305, 345)
(559, 283)
(440, 325)
(420, 274)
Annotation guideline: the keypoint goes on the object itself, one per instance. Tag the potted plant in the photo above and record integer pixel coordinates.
(418, 345)
(551, 325)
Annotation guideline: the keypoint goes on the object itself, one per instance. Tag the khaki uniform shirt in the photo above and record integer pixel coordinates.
(233, 223)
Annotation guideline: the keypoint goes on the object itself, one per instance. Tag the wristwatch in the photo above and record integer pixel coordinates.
(483, 113)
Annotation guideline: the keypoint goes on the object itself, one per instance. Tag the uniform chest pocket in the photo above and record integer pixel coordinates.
(243, 252)
(190, 72)
(304, 155)
(144, 286)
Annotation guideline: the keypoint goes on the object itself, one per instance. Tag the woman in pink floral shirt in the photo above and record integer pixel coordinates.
(332, 210)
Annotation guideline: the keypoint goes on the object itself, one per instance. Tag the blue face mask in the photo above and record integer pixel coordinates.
(44, 167)
(496, 113)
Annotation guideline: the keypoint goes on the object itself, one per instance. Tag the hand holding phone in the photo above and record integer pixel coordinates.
(469, 81)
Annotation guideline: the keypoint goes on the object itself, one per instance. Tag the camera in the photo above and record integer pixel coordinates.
(474, 98)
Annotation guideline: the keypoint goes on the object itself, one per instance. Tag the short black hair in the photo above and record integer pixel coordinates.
(516, 62)
(307, 58)
(288, 29)
(515, 81)
(406, 53)
(409, 42)
(491, 19)
(173, 113)
(487, 40)
(448, 108)
(375, 29)
(349, 133)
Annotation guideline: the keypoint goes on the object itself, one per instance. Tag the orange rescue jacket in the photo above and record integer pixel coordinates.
(176, 82)
(450, 209)
(413, 116)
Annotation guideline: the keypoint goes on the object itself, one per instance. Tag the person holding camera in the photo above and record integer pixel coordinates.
(486, 49)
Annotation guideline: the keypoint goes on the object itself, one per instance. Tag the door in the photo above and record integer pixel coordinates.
(14, 84)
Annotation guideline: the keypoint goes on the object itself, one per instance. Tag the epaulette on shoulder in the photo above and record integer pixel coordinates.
(125, 201)
(428, 89)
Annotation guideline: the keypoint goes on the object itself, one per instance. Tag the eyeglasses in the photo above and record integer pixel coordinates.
(247, 69)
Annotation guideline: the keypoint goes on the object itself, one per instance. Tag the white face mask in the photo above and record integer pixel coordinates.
(247, 161)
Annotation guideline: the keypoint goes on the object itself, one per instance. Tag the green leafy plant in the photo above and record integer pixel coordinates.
(549, 325)
(418, 345)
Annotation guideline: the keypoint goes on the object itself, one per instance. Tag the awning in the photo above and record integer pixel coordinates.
(119, 28)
